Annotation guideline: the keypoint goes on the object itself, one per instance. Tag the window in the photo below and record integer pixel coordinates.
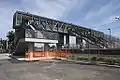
(18, 19)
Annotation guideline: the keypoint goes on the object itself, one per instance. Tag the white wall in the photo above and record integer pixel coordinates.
(72, 40)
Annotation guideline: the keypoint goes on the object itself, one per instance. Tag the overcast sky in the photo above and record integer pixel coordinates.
(95, 14)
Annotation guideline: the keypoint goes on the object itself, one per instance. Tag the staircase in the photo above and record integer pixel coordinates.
(20, 49)
(100, 42)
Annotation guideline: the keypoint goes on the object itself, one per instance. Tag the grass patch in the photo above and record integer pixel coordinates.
(82, 58)
(72, 57)
(112, 61)
(108, 59)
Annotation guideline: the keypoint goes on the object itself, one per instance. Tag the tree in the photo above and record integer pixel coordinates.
(3, 47)
(10, 36)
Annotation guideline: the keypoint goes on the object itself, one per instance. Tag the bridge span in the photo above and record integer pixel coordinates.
(37, 33)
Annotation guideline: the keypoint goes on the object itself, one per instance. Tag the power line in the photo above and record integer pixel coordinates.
(106, 24)
(115, 27)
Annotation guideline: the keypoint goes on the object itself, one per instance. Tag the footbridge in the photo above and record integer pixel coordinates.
(31, 29)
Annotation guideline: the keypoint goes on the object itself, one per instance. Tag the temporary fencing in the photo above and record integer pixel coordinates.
(61, 54)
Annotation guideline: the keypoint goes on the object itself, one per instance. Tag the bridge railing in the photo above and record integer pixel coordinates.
(29, 33)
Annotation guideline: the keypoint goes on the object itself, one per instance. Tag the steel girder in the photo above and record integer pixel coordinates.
(53, 25)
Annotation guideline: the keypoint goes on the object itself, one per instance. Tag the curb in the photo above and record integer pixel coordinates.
(106, 65)
(93, 63)
(78, 62)
(13, 57)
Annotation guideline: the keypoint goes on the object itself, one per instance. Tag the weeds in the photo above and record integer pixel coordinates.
(93, 58)
(109, 60)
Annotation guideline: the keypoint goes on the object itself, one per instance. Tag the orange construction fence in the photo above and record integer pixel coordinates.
(48, 54)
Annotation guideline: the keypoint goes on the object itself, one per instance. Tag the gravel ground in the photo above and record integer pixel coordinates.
(14, 70)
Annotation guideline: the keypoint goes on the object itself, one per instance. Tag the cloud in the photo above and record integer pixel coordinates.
(103, 13)
(47, 8)
(91, 14)
(6, 21)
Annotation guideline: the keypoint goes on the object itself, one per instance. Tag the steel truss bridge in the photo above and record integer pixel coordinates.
(38, 24)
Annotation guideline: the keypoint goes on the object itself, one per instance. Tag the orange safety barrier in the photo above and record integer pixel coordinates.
(29, 55)
(48, 54)
(39, 54)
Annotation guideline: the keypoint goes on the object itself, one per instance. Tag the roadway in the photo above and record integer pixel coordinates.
(58, 70)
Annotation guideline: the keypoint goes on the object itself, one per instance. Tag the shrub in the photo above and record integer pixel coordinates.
(100, 59)
(85, 58)
(82, 58)
(115, 60)
(110, 61)
(93, 58)
(119, 64)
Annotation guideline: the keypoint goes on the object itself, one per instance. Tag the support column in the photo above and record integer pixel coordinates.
(46, 48)
(60, 41)
(67, 40)
(30, 47)
(79, 42)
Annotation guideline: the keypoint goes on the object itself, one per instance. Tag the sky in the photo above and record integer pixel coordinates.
(95, 14)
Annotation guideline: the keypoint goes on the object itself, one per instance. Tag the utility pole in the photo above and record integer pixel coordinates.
(110, 37)
(110, 33)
